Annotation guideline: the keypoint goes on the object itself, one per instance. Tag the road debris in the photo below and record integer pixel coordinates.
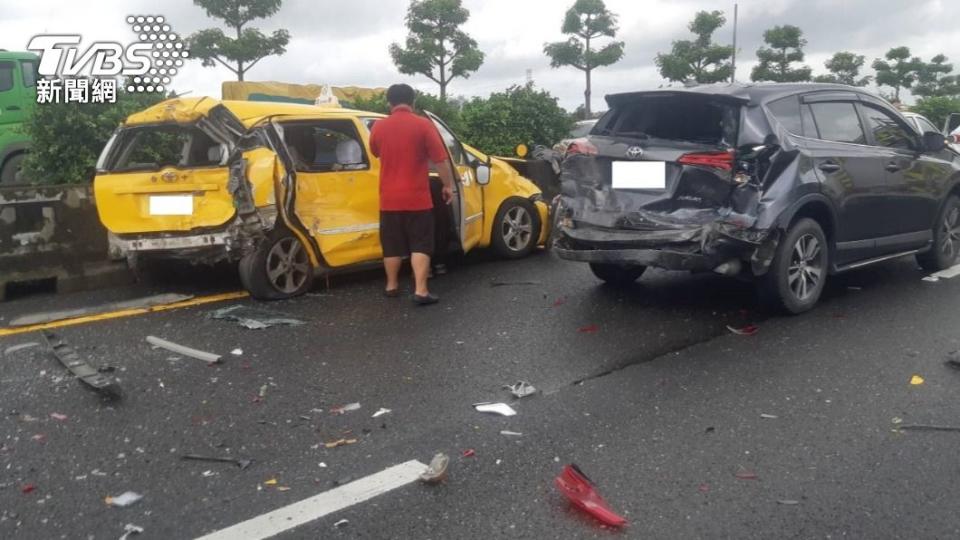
(703, 488)
(381, 412)
(747, 330)
(342, 523)
(469, 452)
(270, 482)
(124, 500)
(254, 318)
(560, 301)
(926, 427)
(769, 416)
(39, 437)
(17, 348)
(589, 329)
(436, 472)
(59, 417)
(788, 502)
(209, 358)
(139, 303)
(579, 489)
(496, 283)
(746, 475)
(239, 462)
(343, 409)
(916, 380)
(104, 385)
(131, 530)
(521, 389)
(263, 391)
(496, 408)
(28, 488)
(237, 352)
(511, 434)
(953, 360)
(340, 442)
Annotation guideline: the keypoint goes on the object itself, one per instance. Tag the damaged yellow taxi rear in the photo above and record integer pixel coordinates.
(287, 191)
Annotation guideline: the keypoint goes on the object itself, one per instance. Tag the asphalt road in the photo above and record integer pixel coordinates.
(644, 388)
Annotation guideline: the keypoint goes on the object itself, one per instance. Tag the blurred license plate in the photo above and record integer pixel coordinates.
(639, 175)
(171, 205)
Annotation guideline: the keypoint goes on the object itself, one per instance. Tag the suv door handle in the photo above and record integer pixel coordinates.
(829, 167)
(893, 167)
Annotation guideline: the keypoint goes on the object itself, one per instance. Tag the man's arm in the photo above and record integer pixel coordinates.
(445, 171)
(375, 141)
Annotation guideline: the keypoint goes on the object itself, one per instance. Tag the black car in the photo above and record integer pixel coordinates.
(783, 182)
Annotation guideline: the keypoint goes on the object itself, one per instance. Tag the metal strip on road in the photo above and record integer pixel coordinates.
(318, 506)
(124, 313)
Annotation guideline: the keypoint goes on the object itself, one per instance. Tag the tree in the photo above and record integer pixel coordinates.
(520, 114)
(436, 47)
(844, 68)
(586, 21)
(448, 110)
(68, 137)
(934, 79)
(937, 108)
(786, 45)
(241, 53)
(699, 60)
(898, 71)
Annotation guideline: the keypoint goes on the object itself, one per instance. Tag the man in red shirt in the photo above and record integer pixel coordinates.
(406, 145)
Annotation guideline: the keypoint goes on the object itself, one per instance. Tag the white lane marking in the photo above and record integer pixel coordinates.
(951, 272)
(307, 510)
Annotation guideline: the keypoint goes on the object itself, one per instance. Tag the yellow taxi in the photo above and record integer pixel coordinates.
(289, 191)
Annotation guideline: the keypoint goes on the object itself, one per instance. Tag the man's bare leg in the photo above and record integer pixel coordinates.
(392, 266)
(421, 272)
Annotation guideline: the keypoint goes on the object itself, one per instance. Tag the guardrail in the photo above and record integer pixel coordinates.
(53, 233)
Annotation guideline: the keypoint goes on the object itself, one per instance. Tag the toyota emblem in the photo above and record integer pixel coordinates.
(634, 152)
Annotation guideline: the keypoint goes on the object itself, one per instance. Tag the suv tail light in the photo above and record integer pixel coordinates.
(716, 160)
(581, 146)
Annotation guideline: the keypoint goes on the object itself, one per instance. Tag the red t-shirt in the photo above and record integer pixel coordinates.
(405, 144)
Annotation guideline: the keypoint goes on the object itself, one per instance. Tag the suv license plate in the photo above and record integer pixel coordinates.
(639, 175)
(171, 205)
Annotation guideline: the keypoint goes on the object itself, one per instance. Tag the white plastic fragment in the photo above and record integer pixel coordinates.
(511, 434)
(125, 499)
(210, 358)
(130, 530)
(237, 352)
(769, 416)
(381, 412)
(496, 408)
(521, 389)
(345, 408)
(341, 523)
(20, 347)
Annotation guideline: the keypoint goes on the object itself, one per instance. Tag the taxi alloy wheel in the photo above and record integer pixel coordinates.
(516, 229)
(279, 268)
(288, 267)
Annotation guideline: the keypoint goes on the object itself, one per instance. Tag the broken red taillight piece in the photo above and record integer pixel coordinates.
(581, 146)
(579, 489)
(716, 160)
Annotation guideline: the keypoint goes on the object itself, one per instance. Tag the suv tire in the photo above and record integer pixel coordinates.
(279, 268)
(799, 269)
(617, 274)
(516, 229)
(946, 238)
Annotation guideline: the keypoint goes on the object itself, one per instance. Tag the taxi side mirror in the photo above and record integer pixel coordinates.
(934, 142)
(483, 174)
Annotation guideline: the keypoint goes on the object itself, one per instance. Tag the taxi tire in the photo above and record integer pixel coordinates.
(497, 238)
(253, 269)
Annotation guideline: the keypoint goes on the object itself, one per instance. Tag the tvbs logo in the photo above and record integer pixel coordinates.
(71, 71)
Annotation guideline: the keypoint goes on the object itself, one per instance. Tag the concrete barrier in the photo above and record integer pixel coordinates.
(54, 233)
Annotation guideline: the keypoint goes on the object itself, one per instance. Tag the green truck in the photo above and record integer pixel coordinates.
(18, 95)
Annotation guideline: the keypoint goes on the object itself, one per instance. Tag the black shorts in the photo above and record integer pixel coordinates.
(403, 233)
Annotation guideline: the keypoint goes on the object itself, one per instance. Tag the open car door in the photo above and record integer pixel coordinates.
(469, 193)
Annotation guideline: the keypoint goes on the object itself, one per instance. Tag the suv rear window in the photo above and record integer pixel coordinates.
(696, 119)
(838, 122)
(156, 147)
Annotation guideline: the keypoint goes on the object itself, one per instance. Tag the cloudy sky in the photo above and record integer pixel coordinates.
(344, 42)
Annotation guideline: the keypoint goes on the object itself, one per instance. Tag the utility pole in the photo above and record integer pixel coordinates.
(733, 64)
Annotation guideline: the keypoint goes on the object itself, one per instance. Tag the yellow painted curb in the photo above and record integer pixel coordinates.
(124, 313)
